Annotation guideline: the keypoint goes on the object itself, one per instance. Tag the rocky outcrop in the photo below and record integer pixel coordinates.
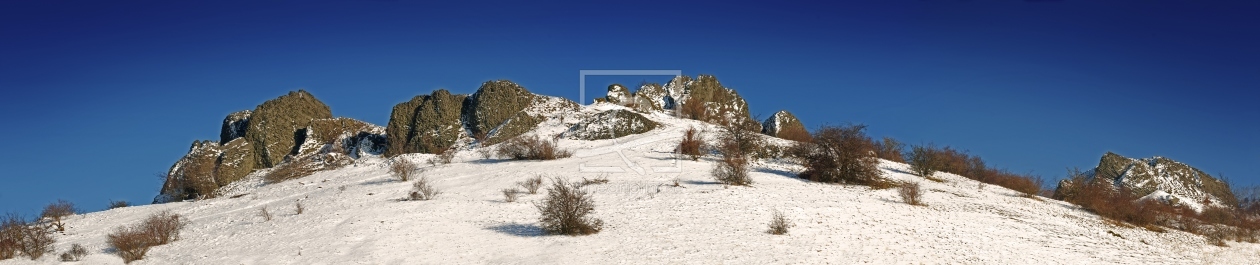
(611, 124)
(235, 160)
(426, 123)
(1171, 180)
(193, 175)
(785, 125)
(234, 126)
(273, 124)
(495, 111)
(653, 97)
(618, 94)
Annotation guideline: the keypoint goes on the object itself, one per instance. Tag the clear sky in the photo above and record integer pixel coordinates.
(100, 96)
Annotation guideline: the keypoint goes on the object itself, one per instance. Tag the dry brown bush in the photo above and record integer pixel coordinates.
(403, 169)
(509, 195)
(56, 212)
(76, 253)
(911, 193)
(298, 209)
(566, 210)
(840, 155)
(889, 149)
(532, 184)
(266, 215)
(118, 204)
(693, 108)
(737, 142)
(21, 237)
(422, 190)
(602, 179)
(691, 143)
(531, 147)
(132, 243)
(779, 223)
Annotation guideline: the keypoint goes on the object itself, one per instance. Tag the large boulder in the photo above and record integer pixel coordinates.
(1158, 178)
(653, 97)
(785, 125)
(273, 125)
(193, 175)
(611, 124)
(426, 123)
(494, 112)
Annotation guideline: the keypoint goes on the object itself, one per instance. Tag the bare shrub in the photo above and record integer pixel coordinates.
(601, 179)
(779, 223)
(11, 226)
(76, 253)
(531, 184)
(691, 143)
(443, 157)
(509, 195)
(924, 160)
(266, 215)
(840, 155)
(531, 147)
(422, 190)
(290, 170)
(737, 142)
(486, 153)
(889, 149)
(911, 193)
(566, 210)
(132, 243)
(21, 237)
(402, 169)
(693, 108)
(298, 209)
(118, 204)
(57, 211)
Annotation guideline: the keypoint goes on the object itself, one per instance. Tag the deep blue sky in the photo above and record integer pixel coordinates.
(99, 96)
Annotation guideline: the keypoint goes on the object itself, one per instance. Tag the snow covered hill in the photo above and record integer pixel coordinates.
(357, 215)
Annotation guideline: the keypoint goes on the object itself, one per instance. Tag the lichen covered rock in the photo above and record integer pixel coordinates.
(495, 111)
(610, 125)
(273, 124)
(785, 125)
(426, 123)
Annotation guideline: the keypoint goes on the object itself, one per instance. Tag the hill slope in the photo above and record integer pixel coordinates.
(355, 215)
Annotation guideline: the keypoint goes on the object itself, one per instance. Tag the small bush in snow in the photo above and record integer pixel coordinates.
(298, 208)
(840, 155)
(132, 243)
(601, 179)
(422, 190)
(737, 142)
(443, 157)
(57, 211)
(509, 195)
(531, 147)
(266, 215)
(20, 237)
(76, 253)
(532, 184)
(566, 210)
(402, 169)
(911, 193)
(691, 143)
(118, 204)
(779, 223)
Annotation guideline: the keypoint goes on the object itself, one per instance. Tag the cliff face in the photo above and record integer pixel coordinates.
(273, 124)
(426, 124)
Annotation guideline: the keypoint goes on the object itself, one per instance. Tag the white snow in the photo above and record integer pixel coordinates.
(355, 215)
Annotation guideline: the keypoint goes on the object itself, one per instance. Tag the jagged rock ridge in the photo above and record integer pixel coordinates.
(1173, 181)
